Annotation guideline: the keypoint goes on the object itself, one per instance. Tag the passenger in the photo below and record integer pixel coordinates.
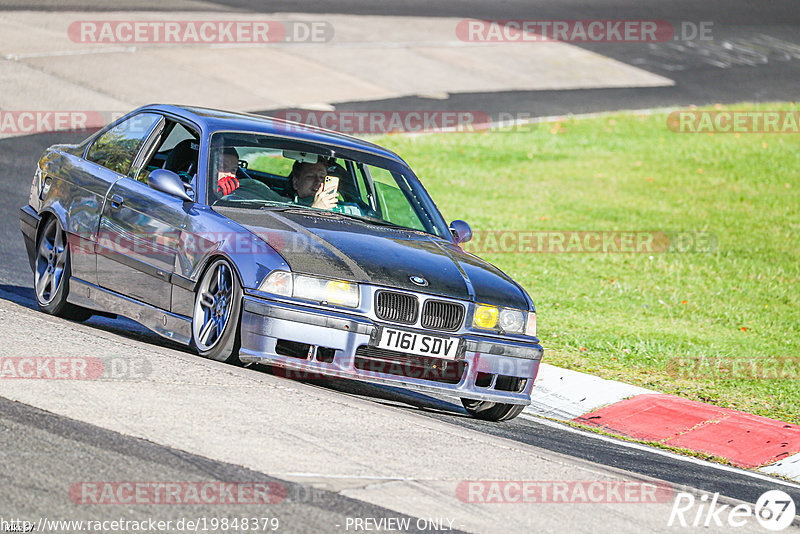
(306, 186)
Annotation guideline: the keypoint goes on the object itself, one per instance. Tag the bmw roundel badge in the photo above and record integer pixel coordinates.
(418, 280)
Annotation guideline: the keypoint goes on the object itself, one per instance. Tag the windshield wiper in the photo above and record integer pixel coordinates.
(278, 206)
(245, 204)
(275, 205)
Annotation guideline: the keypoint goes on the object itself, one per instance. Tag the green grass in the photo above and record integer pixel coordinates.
(631, 317)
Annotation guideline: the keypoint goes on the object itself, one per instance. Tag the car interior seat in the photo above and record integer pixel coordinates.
(182, 159)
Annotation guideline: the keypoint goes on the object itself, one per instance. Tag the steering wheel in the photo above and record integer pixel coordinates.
(244, 171)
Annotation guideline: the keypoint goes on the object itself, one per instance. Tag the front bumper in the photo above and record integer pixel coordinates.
(338, 345)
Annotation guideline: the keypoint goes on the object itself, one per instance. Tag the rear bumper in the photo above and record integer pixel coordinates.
(335, 344)
(28, 223)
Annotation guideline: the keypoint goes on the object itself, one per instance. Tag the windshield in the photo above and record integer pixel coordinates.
(257, 172)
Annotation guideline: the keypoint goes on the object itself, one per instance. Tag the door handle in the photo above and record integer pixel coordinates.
(116, 202)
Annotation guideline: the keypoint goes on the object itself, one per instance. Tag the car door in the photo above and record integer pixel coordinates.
(82, 187)
(141, 230)
(104, 161)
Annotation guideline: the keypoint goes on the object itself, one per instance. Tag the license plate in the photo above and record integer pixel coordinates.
(418, 344)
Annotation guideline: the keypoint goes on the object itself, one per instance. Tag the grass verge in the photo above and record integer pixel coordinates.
(721, 327)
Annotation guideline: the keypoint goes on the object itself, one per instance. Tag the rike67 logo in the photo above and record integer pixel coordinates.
(775, 510)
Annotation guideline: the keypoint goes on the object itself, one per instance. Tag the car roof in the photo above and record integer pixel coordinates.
(214, 120)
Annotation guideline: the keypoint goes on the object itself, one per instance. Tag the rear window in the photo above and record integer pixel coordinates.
(117, 148)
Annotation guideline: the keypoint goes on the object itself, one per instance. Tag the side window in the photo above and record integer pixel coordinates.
(392, 201)
(117, 148)
(177, 149)
(179, 133)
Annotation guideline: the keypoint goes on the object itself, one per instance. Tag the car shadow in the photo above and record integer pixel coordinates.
(381, 393)
(122, 326)
(386, 395)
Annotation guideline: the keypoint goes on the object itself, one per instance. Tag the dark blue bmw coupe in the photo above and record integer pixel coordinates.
(265, 241)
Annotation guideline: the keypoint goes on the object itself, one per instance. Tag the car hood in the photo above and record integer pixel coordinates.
(335, 246)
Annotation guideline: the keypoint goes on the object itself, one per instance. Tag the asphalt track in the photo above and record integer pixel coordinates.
(18, 156)
(35, 485)
(26, 429)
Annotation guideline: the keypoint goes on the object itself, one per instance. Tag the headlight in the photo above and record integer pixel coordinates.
(512, 321)
(500, 319)
(342, 293)
(328, 291)
(278, 282)
(321, 290)
(485, 317)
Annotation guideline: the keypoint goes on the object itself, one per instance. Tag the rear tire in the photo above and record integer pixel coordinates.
(492, 411)
(217, 313)
(51, 273)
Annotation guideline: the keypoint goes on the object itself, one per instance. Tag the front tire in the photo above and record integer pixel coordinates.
(217, 313)
(492, 411)
(51, 274)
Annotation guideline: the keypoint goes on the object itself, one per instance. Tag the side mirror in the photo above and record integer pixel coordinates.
(168, 182)
(461, 231)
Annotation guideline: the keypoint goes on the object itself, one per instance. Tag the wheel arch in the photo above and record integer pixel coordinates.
(206, 262)
(46, 215)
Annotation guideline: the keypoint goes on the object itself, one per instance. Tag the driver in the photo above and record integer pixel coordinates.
(231, 177)
(227, 182)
